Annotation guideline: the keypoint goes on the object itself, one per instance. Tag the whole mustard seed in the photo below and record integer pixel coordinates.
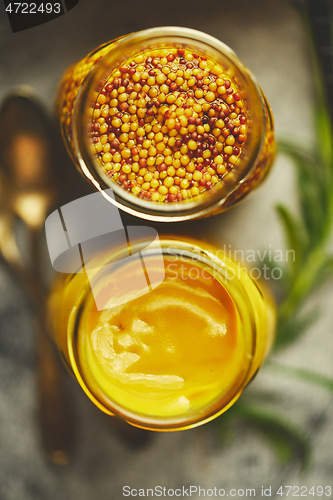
(168, 125)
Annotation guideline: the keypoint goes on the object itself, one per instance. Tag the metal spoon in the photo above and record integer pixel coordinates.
(29, 173)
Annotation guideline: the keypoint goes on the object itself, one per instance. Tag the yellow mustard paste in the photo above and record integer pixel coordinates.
(174, 350)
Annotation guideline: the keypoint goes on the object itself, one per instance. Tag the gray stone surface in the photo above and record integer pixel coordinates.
(269, 37)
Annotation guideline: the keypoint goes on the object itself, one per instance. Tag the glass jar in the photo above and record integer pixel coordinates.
(80, 87)
(217, 383)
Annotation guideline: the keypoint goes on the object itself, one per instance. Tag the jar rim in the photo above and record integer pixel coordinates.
(212, 410)
(210, 200)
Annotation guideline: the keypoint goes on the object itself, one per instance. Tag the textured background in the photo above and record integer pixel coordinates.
(269, 38)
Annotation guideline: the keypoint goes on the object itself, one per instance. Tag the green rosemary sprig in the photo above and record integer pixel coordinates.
(309, 234)
(301, 374)
(286, 438)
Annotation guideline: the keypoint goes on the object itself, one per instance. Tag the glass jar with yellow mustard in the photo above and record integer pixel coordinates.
(166, 357)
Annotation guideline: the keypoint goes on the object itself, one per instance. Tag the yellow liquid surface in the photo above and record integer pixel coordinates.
(173, 351)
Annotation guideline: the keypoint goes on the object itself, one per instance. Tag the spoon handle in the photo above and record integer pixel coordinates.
(55, 409)
(30, 183)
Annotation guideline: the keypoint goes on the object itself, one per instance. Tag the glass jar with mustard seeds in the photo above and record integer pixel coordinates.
(171, 120)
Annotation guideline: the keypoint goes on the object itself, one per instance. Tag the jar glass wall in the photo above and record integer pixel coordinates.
(180, 354)
(78, 94)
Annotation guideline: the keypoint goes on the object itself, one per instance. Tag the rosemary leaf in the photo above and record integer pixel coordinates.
(294, 235)
(292, 328)
(301, 374)
(285, 436)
